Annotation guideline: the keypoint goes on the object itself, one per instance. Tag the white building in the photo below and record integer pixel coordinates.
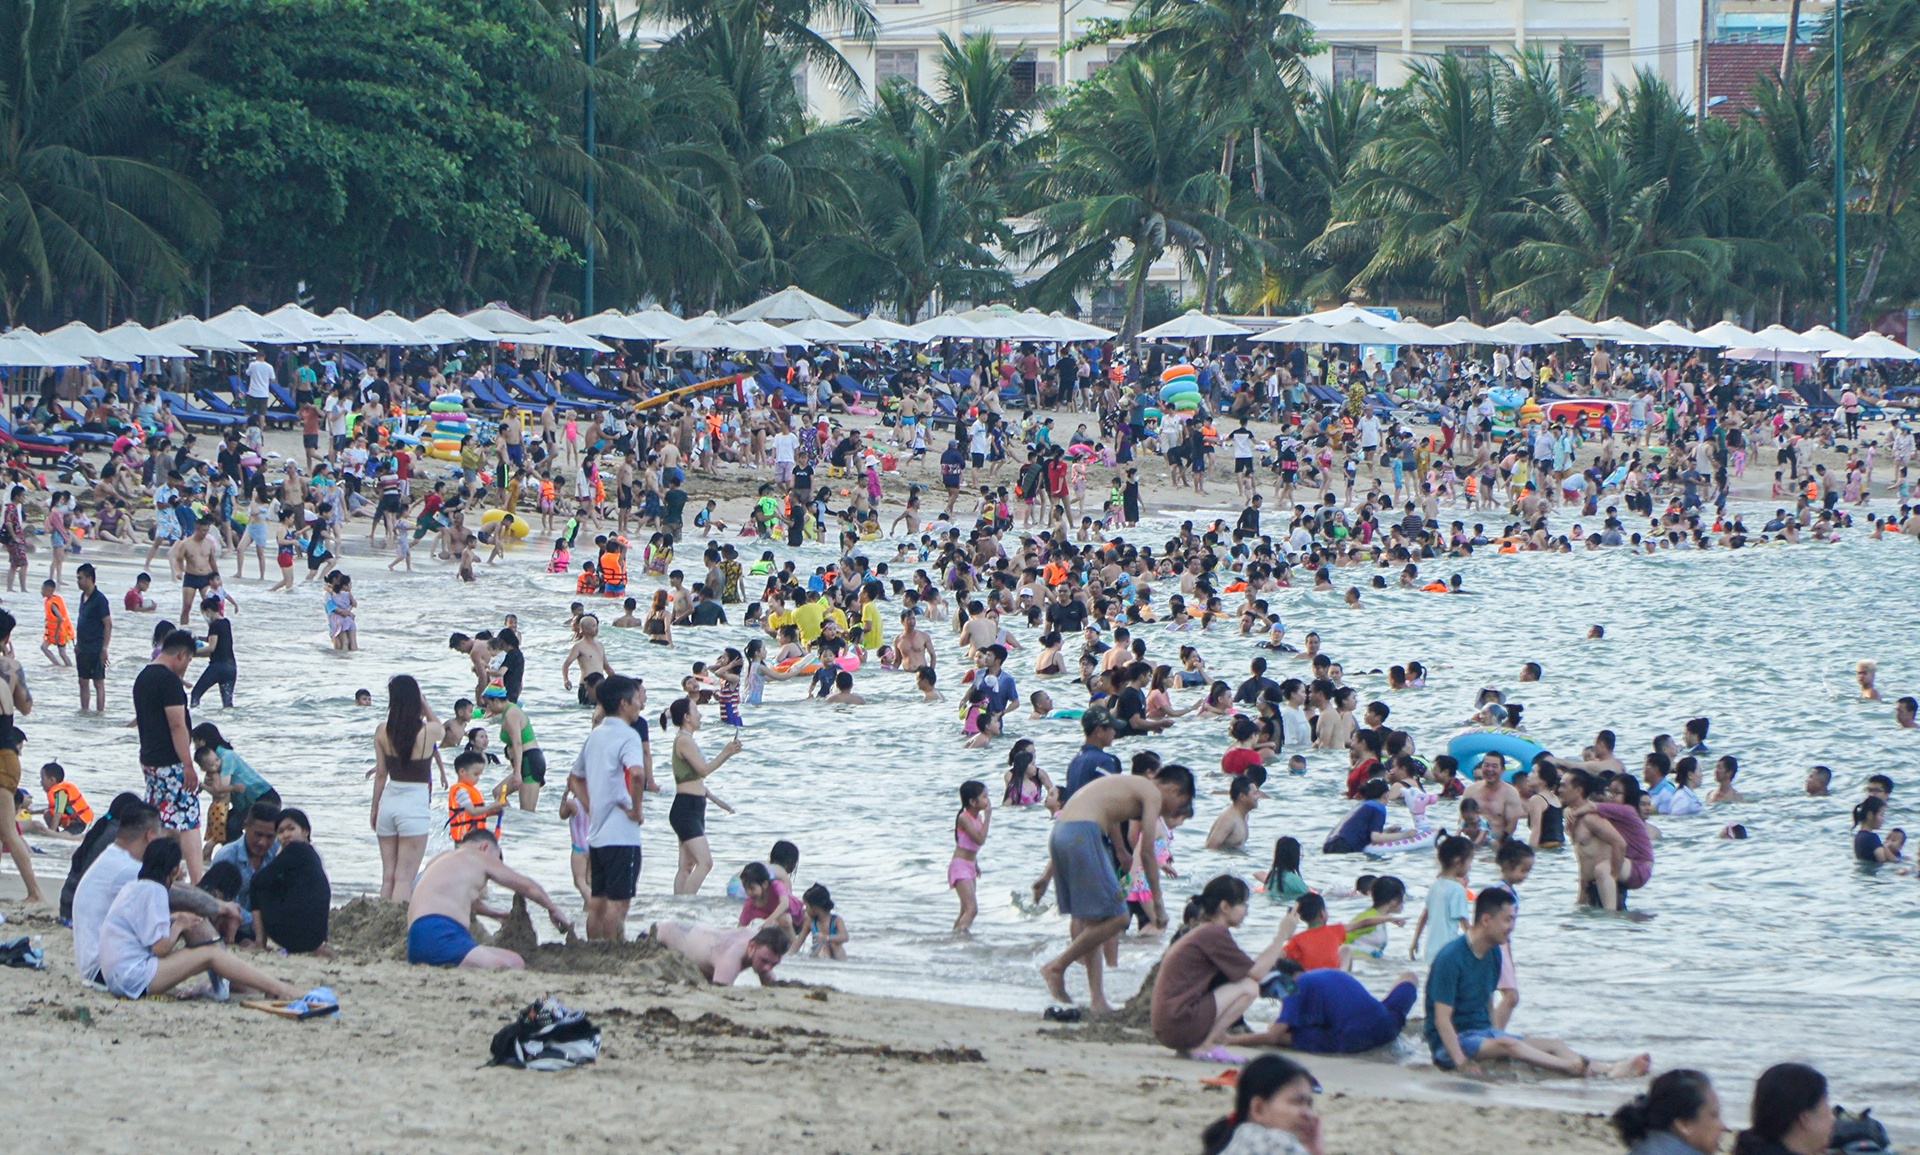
(1374, 39)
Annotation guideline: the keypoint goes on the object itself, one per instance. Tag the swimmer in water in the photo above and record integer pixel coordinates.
(1864, 673)
(1230, 831)
(1904, 710)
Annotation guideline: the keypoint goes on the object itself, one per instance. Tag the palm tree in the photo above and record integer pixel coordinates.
(1449, 183)
(1133, 166)
(1254, 52)
(977, 109)
(796, 25)
(925, 219)
(1883, 141)
(81, 211)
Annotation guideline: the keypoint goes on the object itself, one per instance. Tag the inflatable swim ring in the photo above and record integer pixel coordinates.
(863, 411)
(1185, 403)
(1420, 841)
(1468, 745)
(1180, 370)
(517, 530)
(1152, 414)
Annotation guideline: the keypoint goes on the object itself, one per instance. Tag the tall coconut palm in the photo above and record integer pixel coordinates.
(81, 209)
(1133, 173)
(1883, 138)
(801, 26)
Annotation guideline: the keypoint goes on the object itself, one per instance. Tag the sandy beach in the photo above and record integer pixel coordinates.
(683, 1067)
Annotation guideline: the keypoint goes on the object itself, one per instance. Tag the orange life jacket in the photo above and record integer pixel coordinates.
(59, 625)
(459, 822)
(1434, 588)
(613, 571)
(589, 582)
(65, 799)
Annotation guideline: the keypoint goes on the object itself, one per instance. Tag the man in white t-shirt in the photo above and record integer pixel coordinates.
(111, 871)
(1369, 434)
(785, 444)
(260, 381)
(609, 775)
(1243, 458)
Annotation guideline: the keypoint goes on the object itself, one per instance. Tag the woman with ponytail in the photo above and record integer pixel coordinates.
(1790, 1113)
(1272, 1113)
(1206, 981)
(1679, 1114)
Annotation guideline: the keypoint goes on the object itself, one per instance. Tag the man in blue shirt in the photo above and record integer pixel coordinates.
(1460, 987)
(1093, 761)
(1001, 690)
(256, 846)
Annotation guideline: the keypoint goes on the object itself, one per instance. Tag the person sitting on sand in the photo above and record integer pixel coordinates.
(1206, 981)
(721, 953)
(452, 888)
(141, 941)
(1328, 1012)
(1460, 988)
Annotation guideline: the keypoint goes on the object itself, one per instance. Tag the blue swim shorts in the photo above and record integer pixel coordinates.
(1470, 1042)
(437, 941)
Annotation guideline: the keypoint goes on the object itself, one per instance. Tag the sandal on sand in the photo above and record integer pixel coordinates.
(1216, 1054)
(1227, 1078)
(312, 1005)
(1063, 1013)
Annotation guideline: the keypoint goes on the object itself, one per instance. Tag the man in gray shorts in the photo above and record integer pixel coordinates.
(1084, 847)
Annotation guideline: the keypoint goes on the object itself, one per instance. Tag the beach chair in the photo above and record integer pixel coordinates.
(578, 382)
(186, 414)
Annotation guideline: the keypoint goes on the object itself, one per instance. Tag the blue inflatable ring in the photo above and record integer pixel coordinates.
(1468, 745)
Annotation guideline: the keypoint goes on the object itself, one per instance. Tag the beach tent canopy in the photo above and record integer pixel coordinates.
(1621, 331)
(1300, 330)
(711, 332)
(313, 327)
(197, 334)
(948, 325)
(1468, 332)
(610, 323)
(80, 340)
(455, 329)
(25, 349)
(1835, 345)
(1193, 325)
(1884, 348)
(1074, 329)
(503, 323)
(1572, 327)
(360, 331)
(243, 324)
(405, 332)
(792, 304)
(144, 342)
(1414, 332)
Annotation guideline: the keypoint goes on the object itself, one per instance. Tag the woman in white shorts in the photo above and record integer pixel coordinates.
(404, 753)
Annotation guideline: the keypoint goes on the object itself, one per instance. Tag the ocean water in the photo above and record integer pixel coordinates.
(1739, 954)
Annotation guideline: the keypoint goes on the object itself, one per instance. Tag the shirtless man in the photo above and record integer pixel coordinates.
(1083, 848)
(980, 631)
(629, 619)
(722, 953)
(1229, 831)
(452, 889)
(843, 693)
(589, 653)
(1599, 756)
(194, 565)
(913, 646)
(479, 652)
(1500, 804)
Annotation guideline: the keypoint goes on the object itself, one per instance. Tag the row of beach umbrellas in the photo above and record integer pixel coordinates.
(1353, 325)
(793, 317)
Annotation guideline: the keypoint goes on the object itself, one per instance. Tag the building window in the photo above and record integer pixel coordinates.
(896, 64)
(1356, 62)
(1097, 63)
(1586, 65)
(800, 83)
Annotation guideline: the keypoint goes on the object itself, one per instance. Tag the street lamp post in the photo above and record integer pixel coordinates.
(592, 53)
(1839, 175)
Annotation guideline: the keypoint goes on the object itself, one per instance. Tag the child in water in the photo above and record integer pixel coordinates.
(1283, 882)
(827, 929)
(969, 833)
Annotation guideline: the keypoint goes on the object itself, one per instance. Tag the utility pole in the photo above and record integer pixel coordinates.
(592, 56)
(1839, 175)
(1706, 28)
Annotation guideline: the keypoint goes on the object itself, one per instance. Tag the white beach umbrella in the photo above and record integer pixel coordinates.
(1621, 331)
(553, 332)
(1412, 332)
(1469, 332)
(79, 339)
(611, 323)
(1884, 348)
(1349, 312)
(194, 333)
(1572, 327)
(656, 324)
(360, 330)
(1193, 325)
(1514, 331)
(1681, 336)
(144, 342)
(25, 349)
(812, 332)
(243, 324)
(878, 328)
(455, 329)
(1300, 330)
(1787, 341)
(502, 322)
(1727, 335)
(405, 332)
(712, 332)
(311, 326)
(1074, 329)
(948, 325)
(1836, 345)
(792, 304)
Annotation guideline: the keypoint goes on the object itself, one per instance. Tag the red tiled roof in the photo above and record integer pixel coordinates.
(1735, 70)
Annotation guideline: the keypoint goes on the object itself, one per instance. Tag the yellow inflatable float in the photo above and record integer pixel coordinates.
(519, 529)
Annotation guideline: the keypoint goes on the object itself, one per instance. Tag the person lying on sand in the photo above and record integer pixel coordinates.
(722, 953)
(453, 888)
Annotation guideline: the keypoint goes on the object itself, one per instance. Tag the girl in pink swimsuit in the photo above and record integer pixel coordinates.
(969, 832)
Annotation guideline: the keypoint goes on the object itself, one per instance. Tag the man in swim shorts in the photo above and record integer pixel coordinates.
(1087, 852)
(452, 889)
(722, 953)
(194, 565)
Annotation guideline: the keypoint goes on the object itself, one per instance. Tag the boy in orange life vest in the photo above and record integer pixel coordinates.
(59, 632)
(589, 581)
(613, 567)
(67, 809)
(467, 808)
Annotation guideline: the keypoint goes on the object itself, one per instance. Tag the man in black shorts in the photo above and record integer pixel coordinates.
(610, 775)
(93, 631)
(195, 565)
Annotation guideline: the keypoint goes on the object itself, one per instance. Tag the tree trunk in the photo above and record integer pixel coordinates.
(466, 275)
(1213, 278)
(1867, 279)
(1786, 53)
(1137, 297)
(537, 300)
(1471, 286)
